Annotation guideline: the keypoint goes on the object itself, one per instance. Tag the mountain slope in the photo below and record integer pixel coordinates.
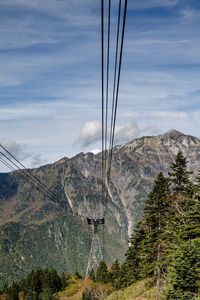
(30, 219)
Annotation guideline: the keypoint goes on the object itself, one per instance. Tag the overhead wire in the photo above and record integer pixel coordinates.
(115, 94)
(119, 71)
(28, 175)
(114, 91)
(107, 81)
(102, 96)
(9, 166)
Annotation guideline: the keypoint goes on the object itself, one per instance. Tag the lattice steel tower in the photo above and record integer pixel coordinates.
(95, 255)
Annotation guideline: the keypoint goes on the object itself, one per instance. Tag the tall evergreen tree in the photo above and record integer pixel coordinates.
(191, 227)
(185, 274)
(155, 218)
(114, 273)
(102, 273)
(145, 257)
(157, 206)
(130, 270)
(125, 277)
(179, 175)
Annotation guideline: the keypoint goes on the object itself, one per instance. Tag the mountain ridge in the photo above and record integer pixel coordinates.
(77, 183)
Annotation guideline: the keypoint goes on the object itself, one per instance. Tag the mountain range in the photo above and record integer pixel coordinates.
(37, 230)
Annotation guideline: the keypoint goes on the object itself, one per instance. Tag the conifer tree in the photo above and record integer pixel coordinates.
(180, 176)
(191, 227)
(147, 243)
(157, 206)
(155, 218)
(102, 273)
(124, 279)
(185, 275)
(114, 273)
(92, 275)
(13, 291)
(130, 270)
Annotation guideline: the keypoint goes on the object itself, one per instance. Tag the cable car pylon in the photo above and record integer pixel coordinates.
(95, 256)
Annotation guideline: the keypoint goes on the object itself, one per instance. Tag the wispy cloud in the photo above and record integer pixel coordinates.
(21, 152)
(91, 133)
(50, 77)
(145, 4)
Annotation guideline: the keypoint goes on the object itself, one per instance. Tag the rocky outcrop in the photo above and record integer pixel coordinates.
(77, 184)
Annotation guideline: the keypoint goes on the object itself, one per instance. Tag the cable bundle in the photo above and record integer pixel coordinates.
(106, 86)
(11, 162)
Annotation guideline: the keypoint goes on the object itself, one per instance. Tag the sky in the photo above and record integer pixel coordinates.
(50, 74)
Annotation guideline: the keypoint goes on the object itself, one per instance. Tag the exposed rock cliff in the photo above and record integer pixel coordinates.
(57, 231)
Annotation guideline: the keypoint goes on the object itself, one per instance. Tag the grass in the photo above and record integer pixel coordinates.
(138, 291)
(74, 289)
(77, 286)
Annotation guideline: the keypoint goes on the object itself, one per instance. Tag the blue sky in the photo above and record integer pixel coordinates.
(50, 88)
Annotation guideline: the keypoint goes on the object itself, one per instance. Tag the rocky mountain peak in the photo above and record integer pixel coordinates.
(176, 135)
(77, 183)
(173, 133)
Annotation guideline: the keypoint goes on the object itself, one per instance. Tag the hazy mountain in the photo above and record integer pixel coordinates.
(38, 231)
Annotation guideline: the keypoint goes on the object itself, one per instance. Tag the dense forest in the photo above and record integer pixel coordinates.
(164, 247)
(38, 285)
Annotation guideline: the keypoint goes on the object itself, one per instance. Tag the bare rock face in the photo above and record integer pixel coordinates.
(77, 186)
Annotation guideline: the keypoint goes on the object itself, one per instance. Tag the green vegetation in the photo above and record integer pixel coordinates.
(141, 290)
(38, 285)
(165, 246)
(162, 262)
(102, 273)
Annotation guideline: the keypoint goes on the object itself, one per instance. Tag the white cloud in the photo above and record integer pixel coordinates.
(144, 4)
(95, 151)
(126, 132)
(16, 149)
(20, 152)
(92, 133)
(50, 74)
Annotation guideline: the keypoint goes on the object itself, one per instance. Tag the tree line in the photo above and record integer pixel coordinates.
(38, 285)
(165, 245)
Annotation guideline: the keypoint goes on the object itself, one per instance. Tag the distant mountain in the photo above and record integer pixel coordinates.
(36, 231)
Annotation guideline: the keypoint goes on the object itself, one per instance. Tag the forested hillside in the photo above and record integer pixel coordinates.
(165, 246)
(163, 260)
(38, 231)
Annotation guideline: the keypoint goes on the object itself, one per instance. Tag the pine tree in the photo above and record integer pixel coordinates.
(191, 228)
(157, 206)
(180, 176)
(130, 270)
(186, 275)
(145, 256)
(124, 279)
(155, 219)
(102, 273)
(13, 291)
(92, 275)
(31, 295)
(114, 273)
(63, 280)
